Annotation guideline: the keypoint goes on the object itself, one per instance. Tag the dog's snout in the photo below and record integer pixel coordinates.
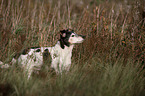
(82, 36)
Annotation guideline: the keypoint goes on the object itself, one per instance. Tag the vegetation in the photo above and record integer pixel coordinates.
(110, 62)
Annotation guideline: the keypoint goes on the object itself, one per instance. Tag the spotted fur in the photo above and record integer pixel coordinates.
(57, 57)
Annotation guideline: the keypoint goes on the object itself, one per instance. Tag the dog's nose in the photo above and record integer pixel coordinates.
(83, 37)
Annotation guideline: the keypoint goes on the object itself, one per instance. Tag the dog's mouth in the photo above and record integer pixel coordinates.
(80, 41)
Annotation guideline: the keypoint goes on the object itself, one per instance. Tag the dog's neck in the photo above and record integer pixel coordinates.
(64, 46)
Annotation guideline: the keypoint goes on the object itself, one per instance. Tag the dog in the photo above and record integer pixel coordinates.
(59, 56)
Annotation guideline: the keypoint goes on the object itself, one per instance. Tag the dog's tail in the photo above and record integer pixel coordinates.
(4, 65)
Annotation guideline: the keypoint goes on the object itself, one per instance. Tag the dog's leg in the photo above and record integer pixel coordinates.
(29, 72)
(54, 65)
(29, 69)
(67, 68)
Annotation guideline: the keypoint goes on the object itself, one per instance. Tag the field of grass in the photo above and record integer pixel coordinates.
(110, 62)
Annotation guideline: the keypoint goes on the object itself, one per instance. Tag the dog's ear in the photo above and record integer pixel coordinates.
(63, 33)
(69, 29)
(62, 44)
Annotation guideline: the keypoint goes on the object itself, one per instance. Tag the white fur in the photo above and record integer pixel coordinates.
(75, 39)
(61, 59)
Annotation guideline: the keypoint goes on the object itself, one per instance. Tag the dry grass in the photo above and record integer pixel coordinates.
(114, 49)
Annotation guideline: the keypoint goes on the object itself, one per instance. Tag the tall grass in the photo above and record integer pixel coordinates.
(108, 63)
(93, 78)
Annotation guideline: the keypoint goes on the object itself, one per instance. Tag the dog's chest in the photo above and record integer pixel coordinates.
(60, 55)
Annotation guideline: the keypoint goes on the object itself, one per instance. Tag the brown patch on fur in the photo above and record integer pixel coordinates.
(25, 51)
(47, 57)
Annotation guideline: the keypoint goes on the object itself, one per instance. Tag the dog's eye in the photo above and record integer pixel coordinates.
(72, 35)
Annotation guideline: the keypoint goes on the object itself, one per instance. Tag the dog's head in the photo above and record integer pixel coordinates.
(69, 37)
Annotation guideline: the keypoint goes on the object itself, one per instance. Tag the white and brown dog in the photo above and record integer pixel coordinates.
(58, 56)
